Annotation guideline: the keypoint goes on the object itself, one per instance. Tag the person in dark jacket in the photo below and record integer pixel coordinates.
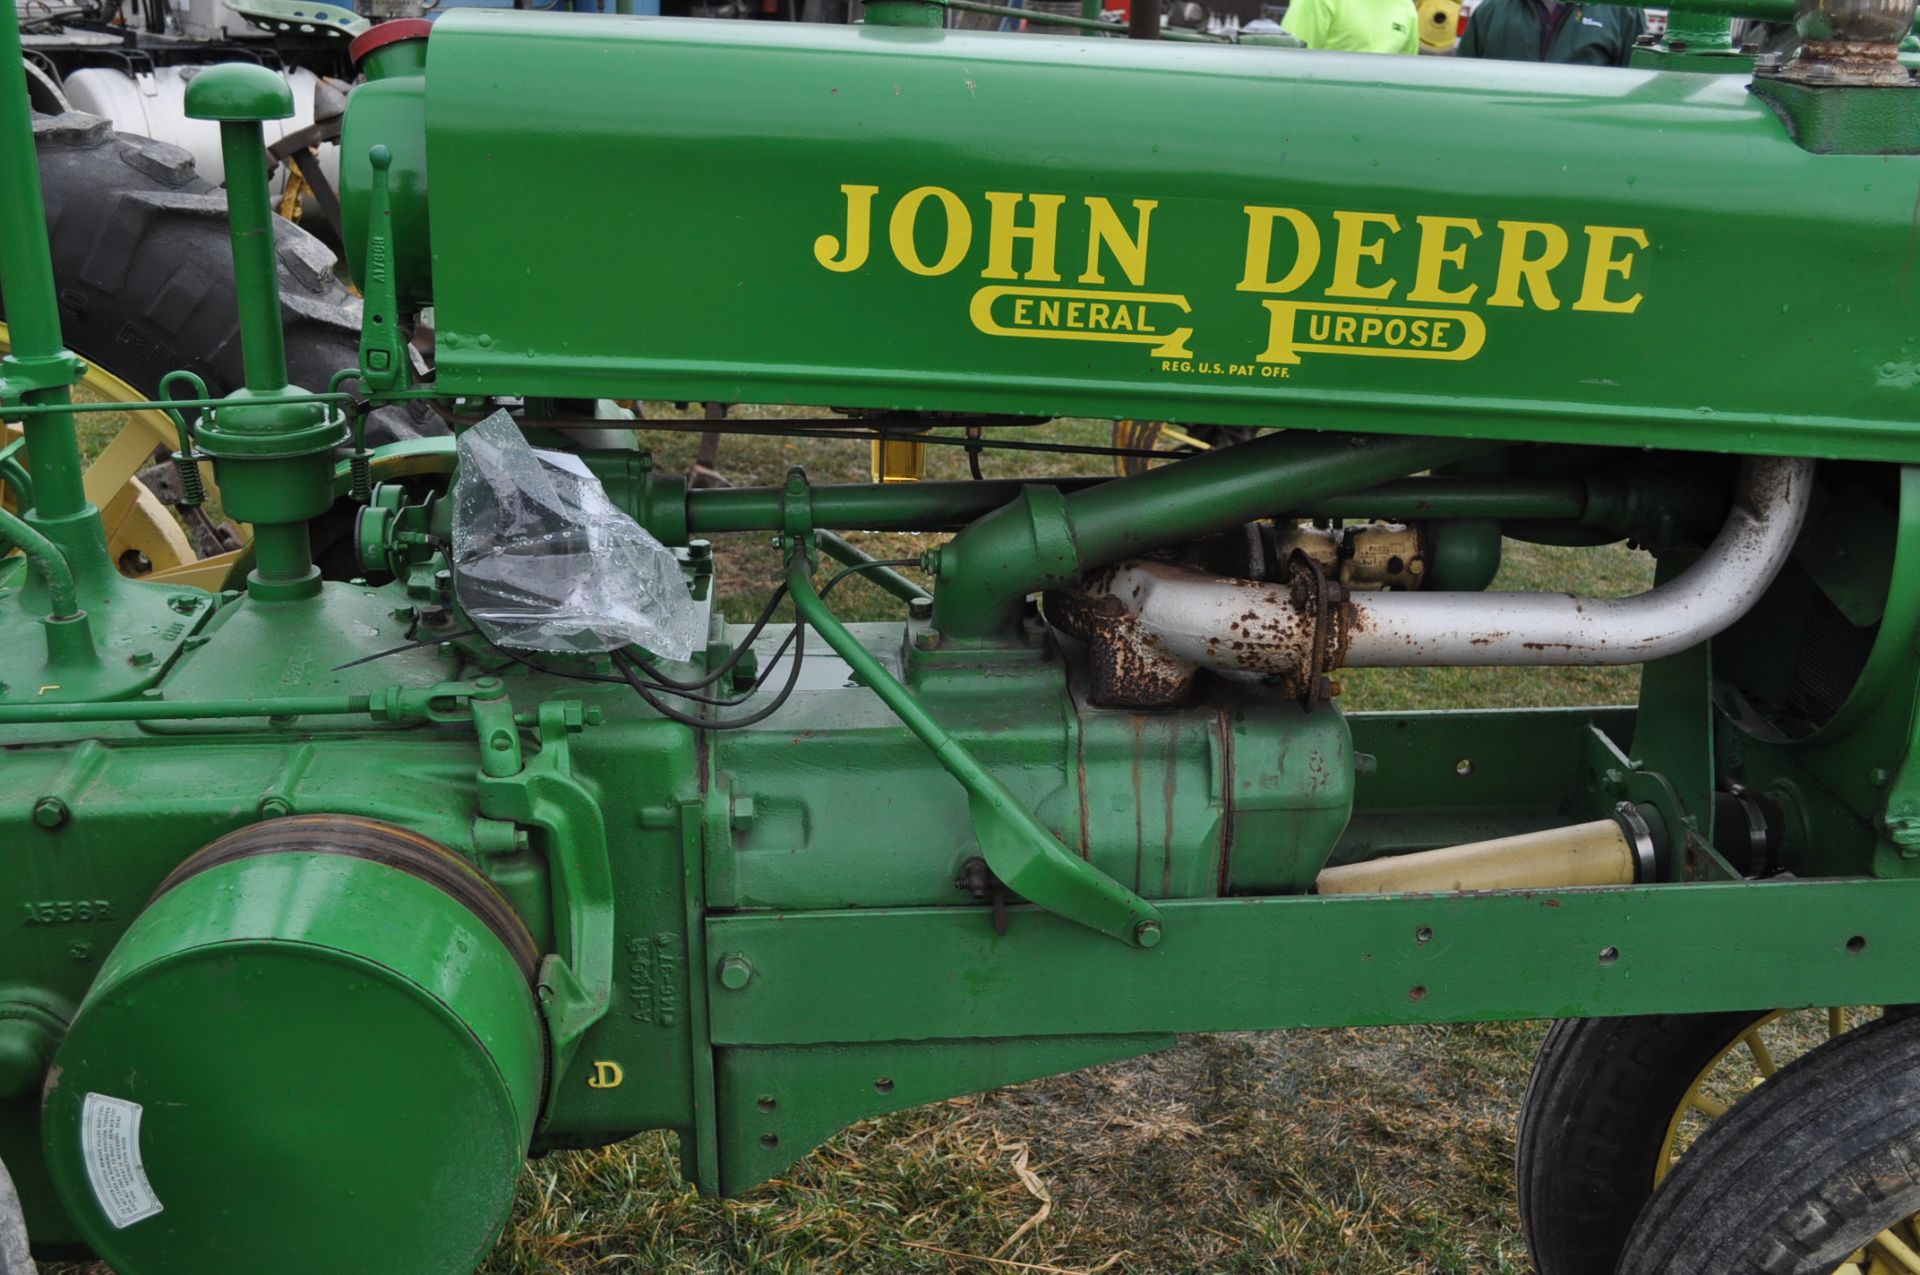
(1551, 31)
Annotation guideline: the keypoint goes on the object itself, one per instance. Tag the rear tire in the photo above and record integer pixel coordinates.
(145, 270)
(1799, 1177)
(1598, 1104)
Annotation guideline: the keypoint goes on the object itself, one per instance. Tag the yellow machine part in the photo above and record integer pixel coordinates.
(139, 527)
(1439, 25)
(1596, 853)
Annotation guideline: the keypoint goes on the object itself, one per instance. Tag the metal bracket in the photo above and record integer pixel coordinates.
(576, 980)
(1901, 815)
(23, 375)
(383, 347)
(1027, 858)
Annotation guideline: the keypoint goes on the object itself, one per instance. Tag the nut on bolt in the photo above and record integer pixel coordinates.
(735, 972)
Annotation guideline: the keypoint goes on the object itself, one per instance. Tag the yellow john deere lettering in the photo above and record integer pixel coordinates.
(1370, 256)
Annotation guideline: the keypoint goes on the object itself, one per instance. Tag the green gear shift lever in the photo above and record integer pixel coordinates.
(275, 458)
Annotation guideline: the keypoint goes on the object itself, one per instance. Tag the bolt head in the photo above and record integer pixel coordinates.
(275, 808)
(50, 812)
(1147, 933)
(735, 972)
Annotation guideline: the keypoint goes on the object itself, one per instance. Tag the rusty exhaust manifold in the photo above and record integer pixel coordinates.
(1151, 626)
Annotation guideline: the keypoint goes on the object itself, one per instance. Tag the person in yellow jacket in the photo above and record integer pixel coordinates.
(1354, 26)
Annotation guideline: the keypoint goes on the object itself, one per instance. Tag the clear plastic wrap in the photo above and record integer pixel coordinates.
(543, 561)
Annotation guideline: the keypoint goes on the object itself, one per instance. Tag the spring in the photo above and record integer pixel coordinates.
(193, 493)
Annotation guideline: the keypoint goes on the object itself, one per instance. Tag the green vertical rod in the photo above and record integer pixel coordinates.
(282, 550)
(26, 273)
(256, 262)
(1698, 32)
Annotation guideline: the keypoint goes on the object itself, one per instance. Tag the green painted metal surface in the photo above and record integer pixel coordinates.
(345, 1074)
(1260, 964)
(1248, 273)
(906, 882)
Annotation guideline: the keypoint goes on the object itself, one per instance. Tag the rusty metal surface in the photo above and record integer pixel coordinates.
(1150, 626)
(1848, 62)
(1128, 666)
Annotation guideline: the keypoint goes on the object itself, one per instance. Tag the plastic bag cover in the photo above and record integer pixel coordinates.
(543, 561)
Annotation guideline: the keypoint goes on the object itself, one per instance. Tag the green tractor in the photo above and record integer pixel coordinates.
(457, 822)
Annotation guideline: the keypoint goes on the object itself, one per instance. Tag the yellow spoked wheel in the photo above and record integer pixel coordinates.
(1166, 436)
(1810, 1171)
(143, 534)
(1748, 1062)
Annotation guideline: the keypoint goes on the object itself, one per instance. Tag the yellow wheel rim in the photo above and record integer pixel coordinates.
(1744, 1065)
(143, 535)
(1146, 435)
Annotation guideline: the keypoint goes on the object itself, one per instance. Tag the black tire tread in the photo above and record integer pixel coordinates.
(1800, 1173)
(1597, 1105)
(145, 273)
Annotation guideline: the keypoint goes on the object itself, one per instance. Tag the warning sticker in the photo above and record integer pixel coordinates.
(110, 1141)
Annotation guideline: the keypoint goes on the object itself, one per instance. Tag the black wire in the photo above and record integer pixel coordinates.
(410, 646)
(799, 639)
(853, 434)
(527, 661)
(746, 643)
(661, 682)
(838, 576)
(650, 691)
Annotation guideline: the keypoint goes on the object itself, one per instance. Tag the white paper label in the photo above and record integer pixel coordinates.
(110, 1141)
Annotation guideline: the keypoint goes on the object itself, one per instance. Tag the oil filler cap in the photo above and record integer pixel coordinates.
(315, 1051)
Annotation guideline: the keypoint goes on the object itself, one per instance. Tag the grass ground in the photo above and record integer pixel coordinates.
(1352, 1151)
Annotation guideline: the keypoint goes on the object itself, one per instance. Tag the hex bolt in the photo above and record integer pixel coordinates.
(1147, 933)
(50, 812)
(140, 659)
(927, 640)
(735, 972)
(275, 808)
